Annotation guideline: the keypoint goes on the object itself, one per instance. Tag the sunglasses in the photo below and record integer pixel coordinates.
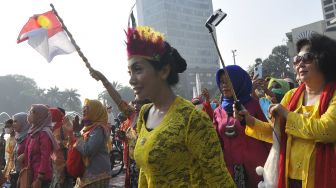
(306, 58)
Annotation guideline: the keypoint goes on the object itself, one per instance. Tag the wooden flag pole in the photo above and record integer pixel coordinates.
(80, 53)
(110, 89)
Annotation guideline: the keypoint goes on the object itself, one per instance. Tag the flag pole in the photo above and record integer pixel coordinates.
(80, 53)
(111, 90)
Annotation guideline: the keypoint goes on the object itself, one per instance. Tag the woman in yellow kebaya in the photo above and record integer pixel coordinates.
(307, 118)
(177, 145)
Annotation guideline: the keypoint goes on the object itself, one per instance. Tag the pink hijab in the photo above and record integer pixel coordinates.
(42, 122)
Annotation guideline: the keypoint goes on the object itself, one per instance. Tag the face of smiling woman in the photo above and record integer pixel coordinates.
(145, 80)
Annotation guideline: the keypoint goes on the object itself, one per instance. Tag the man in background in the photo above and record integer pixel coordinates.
(110, 116)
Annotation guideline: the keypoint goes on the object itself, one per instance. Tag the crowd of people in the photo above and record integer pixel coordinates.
(169, 141)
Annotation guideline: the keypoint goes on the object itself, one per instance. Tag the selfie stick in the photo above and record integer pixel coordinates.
(211, 23)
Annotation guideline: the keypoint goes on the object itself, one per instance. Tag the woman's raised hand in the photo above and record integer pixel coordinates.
(97, 75)
(77, 126)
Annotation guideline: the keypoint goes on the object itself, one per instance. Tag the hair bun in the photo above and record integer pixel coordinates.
(180, 62)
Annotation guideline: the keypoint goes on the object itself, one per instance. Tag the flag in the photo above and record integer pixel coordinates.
(45, 34)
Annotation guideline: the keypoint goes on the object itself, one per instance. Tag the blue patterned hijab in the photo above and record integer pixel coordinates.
(241, 82)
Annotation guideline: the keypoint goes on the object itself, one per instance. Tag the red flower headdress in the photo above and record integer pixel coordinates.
(145, 42)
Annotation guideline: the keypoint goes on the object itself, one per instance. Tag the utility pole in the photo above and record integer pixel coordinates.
(234, 55)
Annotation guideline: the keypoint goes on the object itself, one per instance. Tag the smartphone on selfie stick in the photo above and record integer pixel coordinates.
(258, 70)
(211, 24)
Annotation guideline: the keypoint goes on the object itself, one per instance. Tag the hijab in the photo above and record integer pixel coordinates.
(21, 119)
(96, 115)
(241, 83)
(279, 92)
(283, 83)
(57, 117)
(42, 121)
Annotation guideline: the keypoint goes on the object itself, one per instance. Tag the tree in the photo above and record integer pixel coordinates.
(276, 64)
(250, 70)
(54, 96)
(126, 93)
(70, 100)
(117, 86)
(105, 97)
(17, 93)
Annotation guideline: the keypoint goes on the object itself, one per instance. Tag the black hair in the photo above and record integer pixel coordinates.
(9, 123)
(324, 48)
(61, 109)
(173, 58)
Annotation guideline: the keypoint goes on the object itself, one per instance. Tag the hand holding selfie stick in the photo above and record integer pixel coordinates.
(211, 23)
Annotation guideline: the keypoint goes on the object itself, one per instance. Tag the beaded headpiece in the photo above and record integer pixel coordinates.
(145, 42)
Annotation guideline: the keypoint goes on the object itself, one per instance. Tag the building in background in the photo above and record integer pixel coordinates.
(324, 27)
(182, 22)
(303, 32)
(329, 13)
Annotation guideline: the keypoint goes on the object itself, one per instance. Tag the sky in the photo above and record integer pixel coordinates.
(253, 28)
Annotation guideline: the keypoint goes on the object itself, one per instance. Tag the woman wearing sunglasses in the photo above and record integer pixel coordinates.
(307, 118)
